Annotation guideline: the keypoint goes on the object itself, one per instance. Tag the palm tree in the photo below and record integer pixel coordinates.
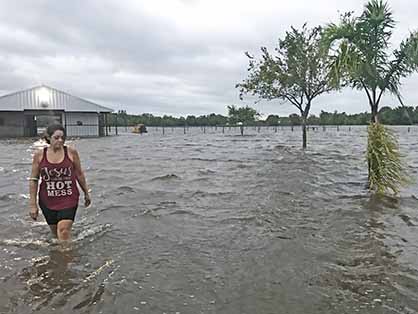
(359, 49)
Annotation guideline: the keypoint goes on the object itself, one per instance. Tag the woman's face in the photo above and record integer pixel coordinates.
(57, 139)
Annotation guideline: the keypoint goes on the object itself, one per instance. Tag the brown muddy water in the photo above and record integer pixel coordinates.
(215, 223)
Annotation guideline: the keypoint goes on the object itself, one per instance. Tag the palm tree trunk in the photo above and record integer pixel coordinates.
(374, 118)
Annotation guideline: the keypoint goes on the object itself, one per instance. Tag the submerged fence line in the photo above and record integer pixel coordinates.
(243, 130)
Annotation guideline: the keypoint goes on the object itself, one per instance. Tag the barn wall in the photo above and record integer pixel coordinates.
(11, 124)
(81, 124)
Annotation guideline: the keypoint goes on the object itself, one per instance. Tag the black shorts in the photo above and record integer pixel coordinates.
(53, 216)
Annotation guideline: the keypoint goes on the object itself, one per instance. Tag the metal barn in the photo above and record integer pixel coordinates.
(27, 113)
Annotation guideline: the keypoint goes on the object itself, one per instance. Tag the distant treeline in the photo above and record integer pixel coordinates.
(393, 116)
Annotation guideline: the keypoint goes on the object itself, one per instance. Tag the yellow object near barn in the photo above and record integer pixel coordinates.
(139, 129)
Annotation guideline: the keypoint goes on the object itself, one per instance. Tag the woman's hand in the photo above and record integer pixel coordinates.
(34, 210)
(87, 199)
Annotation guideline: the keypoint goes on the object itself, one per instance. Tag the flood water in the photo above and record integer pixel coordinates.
(215, 223)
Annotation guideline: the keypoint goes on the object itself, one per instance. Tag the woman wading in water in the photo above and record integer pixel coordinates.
(58, 169)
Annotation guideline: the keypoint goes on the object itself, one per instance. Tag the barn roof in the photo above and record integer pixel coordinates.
(47, 98)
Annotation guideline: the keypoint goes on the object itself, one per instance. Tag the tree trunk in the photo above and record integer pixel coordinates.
(304, 116)
(304, 141)
(374, 118)
(368, 163)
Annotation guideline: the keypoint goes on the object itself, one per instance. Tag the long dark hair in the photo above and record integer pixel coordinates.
(51, 130)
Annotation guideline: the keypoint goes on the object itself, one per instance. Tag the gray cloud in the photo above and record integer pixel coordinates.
(177, 57)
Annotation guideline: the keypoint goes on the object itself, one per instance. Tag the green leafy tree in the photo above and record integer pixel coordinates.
(360, 118)
(325, 118)
(202, 120)
(297, 72)
(294, 119)
(285, 121)
(272, 120)
(415, 115)
(246, 115)
(404, 115)
(313, 120)
(397, 116)
(388, 116)
(191, 120)
(358, 47)
(217, 119)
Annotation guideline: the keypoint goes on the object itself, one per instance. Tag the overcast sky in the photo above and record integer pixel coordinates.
(175, 57)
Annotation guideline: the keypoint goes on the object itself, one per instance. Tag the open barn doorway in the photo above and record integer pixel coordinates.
(44, 121)
(36, 122)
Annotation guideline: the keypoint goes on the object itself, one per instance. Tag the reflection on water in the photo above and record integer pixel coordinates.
(215, 223)
(50, 276)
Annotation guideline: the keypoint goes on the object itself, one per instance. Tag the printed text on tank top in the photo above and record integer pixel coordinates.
(58, 188)
(58, 179)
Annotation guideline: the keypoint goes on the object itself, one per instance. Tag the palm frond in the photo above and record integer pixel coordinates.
(386, 170)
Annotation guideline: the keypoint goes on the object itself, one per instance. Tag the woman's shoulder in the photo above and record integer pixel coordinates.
(72, 152)
(71, 148)
(38, 154)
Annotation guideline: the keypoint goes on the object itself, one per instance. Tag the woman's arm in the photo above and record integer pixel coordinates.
(81, 178)
(33, 186)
